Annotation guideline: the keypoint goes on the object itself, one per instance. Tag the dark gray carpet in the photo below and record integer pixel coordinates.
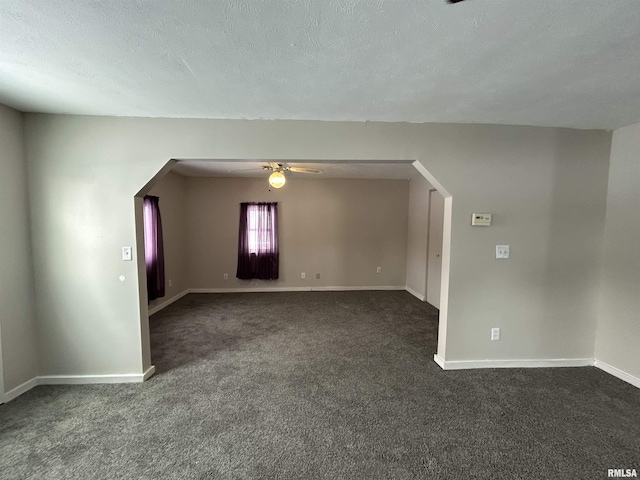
(320, 385)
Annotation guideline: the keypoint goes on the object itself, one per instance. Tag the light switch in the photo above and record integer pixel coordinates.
(126, 254)
(502, 251)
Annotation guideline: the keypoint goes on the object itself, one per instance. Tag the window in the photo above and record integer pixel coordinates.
(258, 254)
(259, 229)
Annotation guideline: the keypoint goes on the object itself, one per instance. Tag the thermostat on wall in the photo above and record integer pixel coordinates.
(481, 219)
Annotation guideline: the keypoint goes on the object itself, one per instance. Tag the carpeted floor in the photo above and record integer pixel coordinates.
(320, 385)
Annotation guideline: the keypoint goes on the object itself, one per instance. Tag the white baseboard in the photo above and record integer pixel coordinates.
(168, 302)
(20, 389)
(293, 289)
(419, 296)
(538, 363)
(439, 361)
(148, 373)
(541, 363)
(616, 372)
(90, 379)
(78, 380)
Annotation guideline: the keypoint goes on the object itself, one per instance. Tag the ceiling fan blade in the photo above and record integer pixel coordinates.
(303, 170)
(245, 170)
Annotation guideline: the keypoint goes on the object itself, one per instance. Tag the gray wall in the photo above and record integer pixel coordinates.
(340, 228)
(538, 182)
(417, 237)
(172, 191)
(17, 316)
(618, 338)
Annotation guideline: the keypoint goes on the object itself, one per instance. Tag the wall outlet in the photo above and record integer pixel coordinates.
(170, 282)
(303, 275)
(317, 276)
(225, 276)
(379, 270)
(495, 334)
(502, 251)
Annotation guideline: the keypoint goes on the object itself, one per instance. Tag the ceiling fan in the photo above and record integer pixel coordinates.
(277, 178)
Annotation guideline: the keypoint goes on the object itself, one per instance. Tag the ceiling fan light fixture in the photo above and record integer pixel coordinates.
(277, 179)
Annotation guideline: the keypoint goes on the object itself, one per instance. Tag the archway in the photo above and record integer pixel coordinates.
(416, 165)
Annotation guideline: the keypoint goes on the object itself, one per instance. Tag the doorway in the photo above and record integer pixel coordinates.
(353, 169)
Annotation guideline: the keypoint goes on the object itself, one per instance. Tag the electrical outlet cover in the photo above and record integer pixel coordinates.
(502, 251)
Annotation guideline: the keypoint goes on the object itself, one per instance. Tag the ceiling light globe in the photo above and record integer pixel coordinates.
(277, 180)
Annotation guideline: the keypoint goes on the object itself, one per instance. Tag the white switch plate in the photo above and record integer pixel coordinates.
(502, 251)
(495, 334)
(126, 254)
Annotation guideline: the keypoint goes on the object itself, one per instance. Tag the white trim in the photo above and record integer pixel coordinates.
(419, 296)
(616, 372)
(20, 389)
(3, 398)
(78, 380)
(451, 365)
(537, 363)
(89, 379)
(168, 302)
(148, 373)
(292, 289)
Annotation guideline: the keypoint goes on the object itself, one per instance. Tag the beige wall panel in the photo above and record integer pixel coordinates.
(538, 183)
(17, 314)
(417, 238)
(618, 334)
(342, 229)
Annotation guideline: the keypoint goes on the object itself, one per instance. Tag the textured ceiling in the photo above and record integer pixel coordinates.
(570, 63)
(372, 170)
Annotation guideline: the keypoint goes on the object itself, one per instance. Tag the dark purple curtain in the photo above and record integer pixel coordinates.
(258, 254)
(153, 247)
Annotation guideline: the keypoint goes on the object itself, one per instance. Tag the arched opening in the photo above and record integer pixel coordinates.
(230, 169)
